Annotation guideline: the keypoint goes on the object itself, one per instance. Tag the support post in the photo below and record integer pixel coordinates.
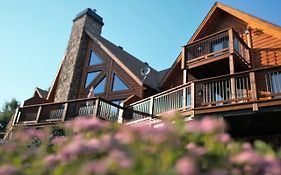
(254, 90)
(120, 113)
(184, 91)
(151, 106)
(15, 117)
(231, 41)
(97, 105)
(232, 79)
(38, 114)
(64, 112)
(183, 59)
(192, 99)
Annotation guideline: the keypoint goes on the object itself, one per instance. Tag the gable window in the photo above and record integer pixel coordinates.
(118, 84)
(100, 87)
(90, 77)
(95, 59)
(218, 45)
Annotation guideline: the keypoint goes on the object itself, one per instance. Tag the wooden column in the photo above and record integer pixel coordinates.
(64, 112)
(151, 105)
(231, 64)
(192, 98)
(183, 59)
(184, 91)
(97, 104)
(15, 116)
(254, 90)
(120, 114)
(38, 114)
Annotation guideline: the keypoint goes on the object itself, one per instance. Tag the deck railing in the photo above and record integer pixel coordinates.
(178, 98)
(62, 111)
(226, 41)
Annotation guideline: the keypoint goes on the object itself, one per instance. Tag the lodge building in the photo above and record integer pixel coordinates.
(230, 68)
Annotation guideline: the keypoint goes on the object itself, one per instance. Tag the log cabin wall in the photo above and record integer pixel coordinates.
(175, 78)
(265, 48)
(108, 68)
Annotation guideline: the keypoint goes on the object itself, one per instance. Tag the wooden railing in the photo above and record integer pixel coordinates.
(226, 41)
(236, 88)
(178, 98)
(62, 111)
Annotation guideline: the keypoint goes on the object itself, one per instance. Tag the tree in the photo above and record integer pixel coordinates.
(7, 111)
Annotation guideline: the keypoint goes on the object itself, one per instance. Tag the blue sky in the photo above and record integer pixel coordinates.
(34, 34)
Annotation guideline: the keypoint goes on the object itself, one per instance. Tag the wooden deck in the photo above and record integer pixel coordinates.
(231, 92)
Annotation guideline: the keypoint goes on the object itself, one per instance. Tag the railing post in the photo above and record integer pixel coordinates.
(254, 90)
(64, 112)
(97, 103)
(231, 41)
(184, 95)
(38, 114)
(151, 105)
(183, 60)
(192, 98)
(120, 113)
(15, 117)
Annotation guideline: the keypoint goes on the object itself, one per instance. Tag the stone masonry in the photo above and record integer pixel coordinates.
(72, 67)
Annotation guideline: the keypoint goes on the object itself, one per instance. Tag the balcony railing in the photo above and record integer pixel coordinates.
(218, 44)
(238, 88)
(59, 112)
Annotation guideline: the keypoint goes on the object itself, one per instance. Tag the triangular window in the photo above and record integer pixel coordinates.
(118, 84)
(90, 77)
(95, 59)
(100, 87)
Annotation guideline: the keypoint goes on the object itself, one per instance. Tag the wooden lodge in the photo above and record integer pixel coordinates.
(230, 68)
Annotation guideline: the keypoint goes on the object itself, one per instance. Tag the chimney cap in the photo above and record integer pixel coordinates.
(91, 13)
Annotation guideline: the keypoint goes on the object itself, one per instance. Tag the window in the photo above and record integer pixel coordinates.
(118, 84)
(219, 45)
(90, 77)
(100, 87)
(95, 59)
(274, 83)
(117, 102)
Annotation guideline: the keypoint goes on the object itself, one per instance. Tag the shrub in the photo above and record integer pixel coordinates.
(91, 146)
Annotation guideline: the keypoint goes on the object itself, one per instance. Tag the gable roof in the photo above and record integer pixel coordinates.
(252, 21)
(128, 62)
(41, 93)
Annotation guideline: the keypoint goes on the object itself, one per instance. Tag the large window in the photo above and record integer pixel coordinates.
(218, 45)
(118, 84)
(90, 77)
(100, 87)
(95, 59)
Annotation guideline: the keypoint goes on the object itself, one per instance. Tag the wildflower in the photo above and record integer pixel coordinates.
(122, 158)
(185, 166)
(223, 138)
(124, 135)
(98, 167)
(51, 160)
(247, 157)
(85, 124)
(8, 170)
(196, 150)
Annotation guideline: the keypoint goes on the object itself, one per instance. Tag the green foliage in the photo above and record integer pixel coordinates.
(7, 111)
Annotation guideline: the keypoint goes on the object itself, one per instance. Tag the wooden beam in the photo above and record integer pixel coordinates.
(232, 80)
(183, 60)
(254, 90)
(64, 112)
(38, 114)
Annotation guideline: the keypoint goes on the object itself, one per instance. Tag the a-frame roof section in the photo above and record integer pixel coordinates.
(252, 21)
(128, 62)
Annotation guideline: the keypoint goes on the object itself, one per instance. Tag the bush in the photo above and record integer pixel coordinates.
(91, 146)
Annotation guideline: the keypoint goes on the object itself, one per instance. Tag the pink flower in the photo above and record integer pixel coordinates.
(206, 125)
(185, 166)
(122, 158)
(246, 146)
(84, 124)
(8, 170)
(247, 157)
(51, 160)
(99, 168)
(60, 140)
(124, 135)
(223, 138)
(272, 166)
(196, 150)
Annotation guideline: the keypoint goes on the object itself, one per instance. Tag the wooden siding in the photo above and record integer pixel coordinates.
(108, 68)
(174, 79)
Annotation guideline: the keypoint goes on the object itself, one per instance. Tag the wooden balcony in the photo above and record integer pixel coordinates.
(54, 113)
(230, 92)
(211, 54)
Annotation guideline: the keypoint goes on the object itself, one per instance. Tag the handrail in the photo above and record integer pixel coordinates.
(161, 93)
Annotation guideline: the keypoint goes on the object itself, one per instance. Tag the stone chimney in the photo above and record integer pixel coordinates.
(69, 78)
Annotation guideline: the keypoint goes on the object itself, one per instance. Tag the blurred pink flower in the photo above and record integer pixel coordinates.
(206, 125)
(51, 160)
(85, 124)
(122, 158)
(247, 157)
(99, 168)
(185, 166)
(8, 170)
(169, 114)
(124, 135)
(272, 165)
(223, 138)
(60, 140)
(196, 150)
(246, 146)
